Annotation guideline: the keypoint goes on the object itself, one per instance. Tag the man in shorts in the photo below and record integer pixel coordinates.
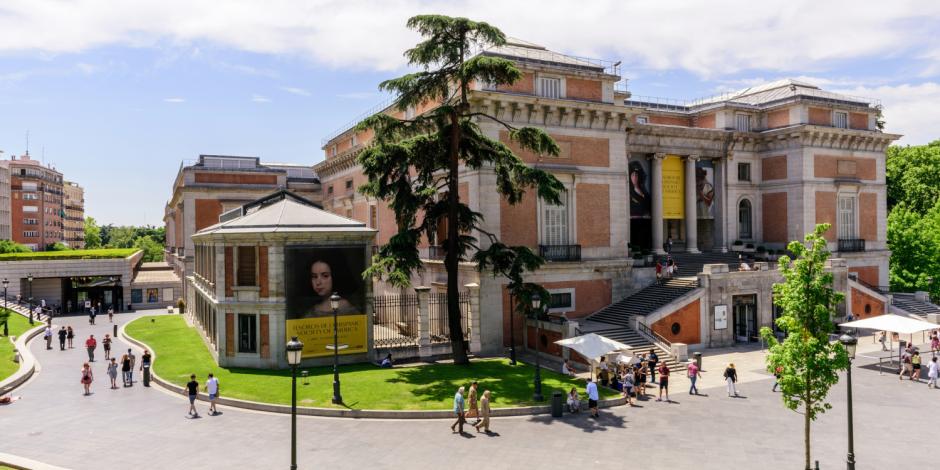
(212, 388)
(192, 387)
(593, 397)
(663, 382)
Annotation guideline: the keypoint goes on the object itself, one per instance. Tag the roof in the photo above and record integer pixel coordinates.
(285, 212)
(159, 276)
(525, 51)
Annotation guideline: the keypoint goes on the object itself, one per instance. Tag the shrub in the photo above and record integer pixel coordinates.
(181, 305)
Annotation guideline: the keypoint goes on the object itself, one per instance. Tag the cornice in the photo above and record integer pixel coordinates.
(547, 112)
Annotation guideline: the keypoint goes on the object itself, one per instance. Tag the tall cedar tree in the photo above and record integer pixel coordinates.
(809, 361)
(413, 163)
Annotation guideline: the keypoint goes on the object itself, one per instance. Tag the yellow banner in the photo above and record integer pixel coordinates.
(672, 188)
(317, 333)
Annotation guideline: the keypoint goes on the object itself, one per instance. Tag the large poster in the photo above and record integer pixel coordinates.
(640, 201)
(705, 189)
(312, 274)
(672, 188)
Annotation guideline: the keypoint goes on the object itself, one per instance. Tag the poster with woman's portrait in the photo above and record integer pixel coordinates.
(312, 275)
(705, 189)
(640, 199)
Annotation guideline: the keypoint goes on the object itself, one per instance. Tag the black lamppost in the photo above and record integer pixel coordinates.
(334, 304)
(30, 300)
(512, 332)
(6, 282)
(294, 351)
(536, 309)
(849, 342)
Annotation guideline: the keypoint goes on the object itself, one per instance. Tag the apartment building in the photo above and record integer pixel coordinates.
(36, 202)
(747, 170)
(74, 219)
(5, 227)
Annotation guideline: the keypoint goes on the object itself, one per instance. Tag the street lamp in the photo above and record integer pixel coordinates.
(294, 351)
(512, 332)
(30, 300)
(334, 304)
(6, 283)
(849, 342)
(536, 306)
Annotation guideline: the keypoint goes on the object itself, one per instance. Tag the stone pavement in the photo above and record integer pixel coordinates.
(148, 428)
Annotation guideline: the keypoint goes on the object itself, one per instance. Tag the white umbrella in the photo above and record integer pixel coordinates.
(626, 359)
(891, 323)
(592, 346)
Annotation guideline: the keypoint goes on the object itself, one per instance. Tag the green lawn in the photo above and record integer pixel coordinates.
(18, 324)
(100, 253)
(181, 351)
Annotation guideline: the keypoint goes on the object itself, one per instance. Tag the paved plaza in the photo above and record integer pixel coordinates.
(148, 428)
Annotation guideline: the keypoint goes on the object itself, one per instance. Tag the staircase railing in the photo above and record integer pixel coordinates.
(654, 337)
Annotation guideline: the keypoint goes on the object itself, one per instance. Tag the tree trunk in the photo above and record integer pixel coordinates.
(806, 417)
(457, 342)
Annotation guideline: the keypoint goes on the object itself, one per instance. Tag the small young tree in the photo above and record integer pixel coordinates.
(808, 360)
(413, 163)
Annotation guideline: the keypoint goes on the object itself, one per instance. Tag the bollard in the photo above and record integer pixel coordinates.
(146, 376)
(115, 331)
(557, 404)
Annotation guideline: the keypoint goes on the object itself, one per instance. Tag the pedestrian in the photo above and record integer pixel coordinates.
(663, 382)
(47, 335)
(659, 271)
(653, 360)
(641, 380)
(915, 366)
(669, 245)
(882, 339)
(778, 371)
(932, 373)
(458, 411)
(694, 375)
(731, 376)
(145, 366)
(906, 367)
(63, 334)
(604, 372)
(87, 378)
(70, 335)
(90, 345)
(193, 388)
(935, 344)
(126, 369)
(91, 316)
(566, 368)
(474, 408)
(485, 412)
(212, 388)
(112, 373)
(593, 396)
(110, 314)
(106, 345)
(130, 373)
(574, 401)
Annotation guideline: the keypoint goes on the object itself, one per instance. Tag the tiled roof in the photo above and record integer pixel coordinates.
(287, 215)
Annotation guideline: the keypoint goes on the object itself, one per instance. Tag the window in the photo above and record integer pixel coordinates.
(245, 275)
(561, 300)
(555, 222)
(153, 295)
(744, 172)
(137, 296)
(329, 190)
(355, 140)
(30, 233)
(349, 185)
(847, 229)
(840, 119)
(29, 186)
(30, 197)
(30, 222)
(247, 333)
(550, 87)
(642, 119)
(410, 112)
(742, 122)
(744, 220)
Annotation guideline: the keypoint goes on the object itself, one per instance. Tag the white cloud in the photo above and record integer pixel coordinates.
(908, 109)
(174, 100)
(85, 68)
(259, 99)
(711, 39)
(296, 91)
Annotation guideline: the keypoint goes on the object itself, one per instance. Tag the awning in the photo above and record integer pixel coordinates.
(592, 346)
(891, 323)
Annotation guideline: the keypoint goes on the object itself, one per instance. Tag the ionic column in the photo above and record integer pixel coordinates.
(691, 218)
(657, 183)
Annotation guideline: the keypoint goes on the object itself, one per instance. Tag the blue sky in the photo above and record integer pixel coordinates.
(117, 94)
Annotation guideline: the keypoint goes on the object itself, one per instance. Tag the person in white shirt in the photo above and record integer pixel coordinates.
(593, 397)
(932, 372)
(212, 388)
(566, 369)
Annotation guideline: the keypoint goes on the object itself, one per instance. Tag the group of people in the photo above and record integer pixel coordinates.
(211, 388)
(912, 363)
(666, 268)
(127, 363)
(473, 406)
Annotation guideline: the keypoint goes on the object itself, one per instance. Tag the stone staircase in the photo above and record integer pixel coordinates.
(690, 264)
(909, 304)
(23, 310)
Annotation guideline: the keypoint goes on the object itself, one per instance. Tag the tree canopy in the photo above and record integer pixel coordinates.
(148, 238)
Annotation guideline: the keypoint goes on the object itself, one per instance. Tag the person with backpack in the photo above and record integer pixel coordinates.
(87, 378)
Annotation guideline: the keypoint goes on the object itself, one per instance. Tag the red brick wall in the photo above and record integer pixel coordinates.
(868, 274)
(229, 334)
(779, 118)
(585, 151)
(526, 84)
(551, 337)
(264, 336)
(207, 213)
(827, 166)
(774, 217)
(579, 89)
(860, 300)
(519, 223)
(820, 117)
(868, 216)
(826, 213)
(590, 296)
(858, 121)
(672, 120)
(593, 212)
(706, 121)
(689, 319)
(774, 168)
(263, 272)
(229, 271)
(235, 178)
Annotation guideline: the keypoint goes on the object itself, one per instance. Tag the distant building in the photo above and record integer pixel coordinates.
(5, 228)
(74, 219)
(36, 205)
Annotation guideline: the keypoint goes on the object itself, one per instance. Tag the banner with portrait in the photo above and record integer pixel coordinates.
(638, 173)
(673, 185)
(311, 275)
(705, 189)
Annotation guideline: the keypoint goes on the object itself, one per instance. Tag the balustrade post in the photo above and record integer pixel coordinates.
(474, 316)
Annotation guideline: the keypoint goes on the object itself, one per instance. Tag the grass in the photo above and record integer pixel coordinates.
(18, 324)
(99, 253)
(180, 352)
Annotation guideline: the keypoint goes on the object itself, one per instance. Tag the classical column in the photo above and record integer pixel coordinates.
(424, 321)
(691, 217)
(657, 186)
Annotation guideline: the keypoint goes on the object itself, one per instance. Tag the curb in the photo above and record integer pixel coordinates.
(348, 413)
(27, 361)
(22, 463)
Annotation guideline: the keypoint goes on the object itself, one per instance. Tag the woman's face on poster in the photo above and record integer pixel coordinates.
(635, 178)
(321, 278)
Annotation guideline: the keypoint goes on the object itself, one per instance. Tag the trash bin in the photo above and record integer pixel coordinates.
(146, 376)
(698, 359)
(558, 403)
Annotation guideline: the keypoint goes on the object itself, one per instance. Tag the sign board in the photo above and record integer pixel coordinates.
(673, 188)
(721, 317)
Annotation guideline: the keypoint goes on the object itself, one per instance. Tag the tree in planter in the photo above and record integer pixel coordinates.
(413, 163)
(809, 362)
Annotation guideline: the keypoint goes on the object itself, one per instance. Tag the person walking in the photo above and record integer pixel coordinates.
(106, 345)
(932, 371)
(87, 378)
(694, 375)
(112, 372)
(474, 408)
(192, 387)
(731, 376)
(906, 367)
(485, 413)
(915, 366)
(126, 369)
(70, 335)
(629, 381)
(458, 410)
(145, 360)
(212, 388)
(663, 382)
(90, 344)
(778, 371)
(63, 334)
(883, 338)
(47, 335)
(91, 316)
(130, 372)
(593, 397)
(935, 344)
(110, 314)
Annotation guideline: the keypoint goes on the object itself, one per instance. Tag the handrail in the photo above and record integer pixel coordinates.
(653, 336)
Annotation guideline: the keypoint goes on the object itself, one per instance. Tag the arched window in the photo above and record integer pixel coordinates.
(744, 219)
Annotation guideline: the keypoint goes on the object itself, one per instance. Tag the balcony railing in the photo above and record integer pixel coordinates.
(560, 252)
(851, 244)
(436, 252)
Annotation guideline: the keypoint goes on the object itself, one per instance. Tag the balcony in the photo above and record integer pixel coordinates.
(851, 244)
(560, 252)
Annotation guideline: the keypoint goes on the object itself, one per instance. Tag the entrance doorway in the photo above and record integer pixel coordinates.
(744, 311)
(92, 290)
(641, 234)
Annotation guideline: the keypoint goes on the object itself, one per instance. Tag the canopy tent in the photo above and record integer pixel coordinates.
(592, 346)
(891, 323)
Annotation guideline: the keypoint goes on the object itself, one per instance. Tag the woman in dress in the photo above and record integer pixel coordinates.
(112, 373)
(70, 335)
(87, 378)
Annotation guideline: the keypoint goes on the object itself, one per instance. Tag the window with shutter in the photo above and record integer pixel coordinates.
(247, 263)
(550, 87)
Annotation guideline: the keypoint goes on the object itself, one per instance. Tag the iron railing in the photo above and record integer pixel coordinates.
(440, 328)
(395, 321)
(560, 252)
(851, 244)
(653, 336)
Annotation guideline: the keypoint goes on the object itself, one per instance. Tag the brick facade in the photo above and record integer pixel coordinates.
(689, 320)
(593, 215)
(774, 217)
(865, 306)
(774, 168)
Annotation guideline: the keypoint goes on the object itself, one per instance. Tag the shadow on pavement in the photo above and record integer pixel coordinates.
(583, 421)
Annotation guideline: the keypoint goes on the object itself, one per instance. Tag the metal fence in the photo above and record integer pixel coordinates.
(440, 329)
(395, 321)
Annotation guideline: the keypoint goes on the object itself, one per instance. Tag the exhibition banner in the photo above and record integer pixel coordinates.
(672, 188)
(705, 189)
(317, 334)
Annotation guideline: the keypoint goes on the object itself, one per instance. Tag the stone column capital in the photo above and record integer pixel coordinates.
(659, 156)
(693, 158)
